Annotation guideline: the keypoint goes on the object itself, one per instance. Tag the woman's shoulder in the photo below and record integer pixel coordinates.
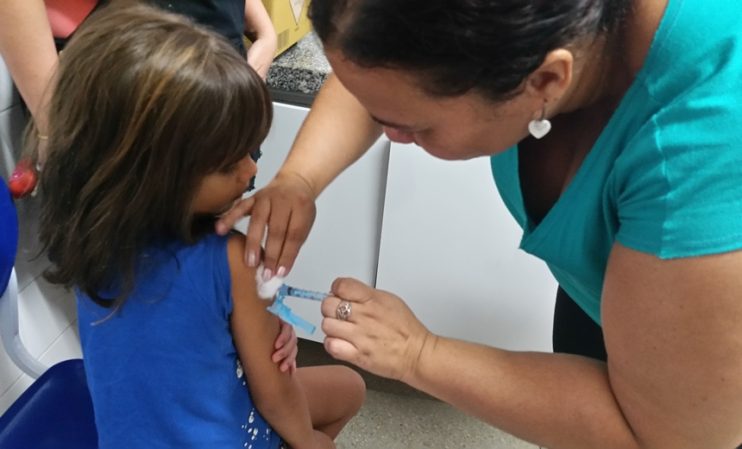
(695, 48)
(676, 182)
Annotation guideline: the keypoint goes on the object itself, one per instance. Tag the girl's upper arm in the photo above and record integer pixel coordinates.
(674, 341)
(254, 329)
(277, 395)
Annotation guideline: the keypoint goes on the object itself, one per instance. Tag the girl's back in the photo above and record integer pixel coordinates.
(170, 346)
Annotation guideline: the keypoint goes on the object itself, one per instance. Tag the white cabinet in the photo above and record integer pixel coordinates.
(449, 247)
(344, 240)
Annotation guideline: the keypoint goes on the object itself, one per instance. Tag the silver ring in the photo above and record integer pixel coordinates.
(343, 311)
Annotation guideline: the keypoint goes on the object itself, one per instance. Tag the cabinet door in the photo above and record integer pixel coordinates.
(344, 240)
(449, 247)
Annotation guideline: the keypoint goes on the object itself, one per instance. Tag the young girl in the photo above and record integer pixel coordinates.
(151, 132)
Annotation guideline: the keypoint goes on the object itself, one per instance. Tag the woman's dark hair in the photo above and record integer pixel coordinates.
(455, 46)
(145, 104)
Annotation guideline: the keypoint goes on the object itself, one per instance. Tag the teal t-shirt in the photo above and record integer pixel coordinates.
(665, 175)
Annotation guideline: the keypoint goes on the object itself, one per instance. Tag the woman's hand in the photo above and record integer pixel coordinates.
(380, 335)
(286, 207)
(287, 348)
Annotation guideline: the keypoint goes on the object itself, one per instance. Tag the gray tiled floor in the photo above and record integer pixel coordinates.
(395, 416)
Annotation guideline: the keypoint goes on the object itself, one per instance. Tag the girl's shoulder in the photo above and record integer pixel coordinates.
(240, 273)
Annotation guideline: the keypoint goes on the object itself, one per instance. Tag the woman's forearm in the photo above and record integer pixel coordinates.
(557, 401)
(27, 47)
(336, 133)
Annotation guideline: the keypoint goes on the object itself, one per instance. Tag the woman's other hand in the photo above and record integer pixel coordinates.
(379, 333)
(286, 207)
(287, 348)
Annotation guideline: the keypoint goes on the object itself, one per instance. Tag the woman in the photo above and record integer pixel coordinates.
(611, 127)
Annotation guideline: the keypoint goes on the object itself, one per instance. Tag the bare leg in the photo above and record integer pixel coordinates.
(334, 393)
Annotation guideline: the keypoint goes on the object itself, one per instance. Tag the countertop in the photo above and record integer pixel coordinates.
(297, 74)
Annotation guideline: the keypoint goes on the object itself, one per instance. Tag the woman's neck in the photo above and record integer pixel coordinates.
(606, 66)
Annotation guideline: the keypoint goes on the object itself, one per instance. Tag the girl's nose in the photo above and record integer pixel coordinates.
(246, 170)
(395, 135)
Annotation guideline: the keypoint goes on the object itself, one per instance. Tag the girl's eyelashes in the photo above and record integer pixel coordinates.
(256, 154)
(251, 186)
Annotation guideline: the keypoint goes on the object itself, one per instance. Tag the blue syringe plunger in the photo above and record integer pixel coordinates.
(285, 313)
(287, 290)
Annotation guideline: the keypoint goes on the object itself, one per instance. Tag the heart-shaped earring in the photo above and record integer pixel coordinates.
(541, 127)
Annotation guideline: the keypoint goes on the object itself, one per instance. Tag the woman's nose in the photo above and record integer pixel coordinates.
(395, 135)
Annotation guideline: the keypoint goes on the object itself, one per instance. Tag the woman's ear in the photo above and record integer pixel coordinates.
(553, 77)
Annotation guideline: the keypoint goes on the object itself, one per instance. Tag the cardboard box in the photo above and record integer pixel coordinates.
(290, 21)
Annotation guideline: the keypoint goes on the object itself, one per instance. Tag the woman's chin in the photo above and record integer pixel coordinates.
(450, 155)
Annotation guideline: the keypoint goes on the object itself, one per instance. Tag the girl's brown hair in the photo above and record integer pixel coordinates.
(145, 104)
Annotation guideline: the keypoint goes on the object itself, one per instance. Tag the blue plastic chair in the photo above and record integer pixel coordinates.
(56, 411)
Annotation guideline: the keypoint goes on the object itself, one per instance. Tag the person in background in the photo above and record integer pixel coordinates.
(233, 19)
(612, 132)
(33, 31)
(161, 139)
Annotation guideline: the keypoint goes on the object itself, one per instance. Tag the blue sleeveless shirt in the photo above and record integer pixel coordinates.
(163, 370)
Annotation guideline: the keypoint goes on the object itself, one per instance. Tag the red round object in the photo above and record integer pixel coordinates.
(23, 179)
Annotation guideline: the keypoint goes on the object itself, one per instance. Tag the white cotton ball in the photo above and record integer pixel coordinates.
(267, 290)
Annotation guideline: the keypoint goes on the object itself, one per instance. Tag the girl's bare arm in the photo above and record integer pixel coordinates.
(278, 395)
